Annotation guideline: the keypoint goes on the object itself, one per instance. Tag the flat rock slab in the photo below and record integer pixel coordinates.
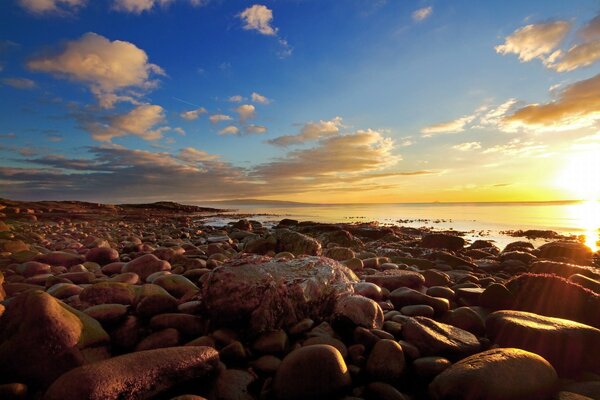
(139, 375)
(261, 293)
(568, 345)
(435, 338)
(498, 374)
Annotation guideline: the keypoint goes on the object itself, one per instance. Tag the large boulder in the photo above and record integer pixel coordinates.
(570, 251)
(563, 269)
(555, 297)
(498, 374)
(261, 293)
(568, 345)
(42, 338)
(442, 241)
(146, 265)
(297, 243)
(139, 375)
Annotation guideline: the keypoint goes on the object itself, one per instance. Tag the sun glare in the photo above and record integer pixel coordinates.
(586, 216)
(580, 176)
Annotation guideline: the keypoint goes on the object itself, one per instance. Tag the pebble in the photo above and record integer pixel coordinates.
(386, 361)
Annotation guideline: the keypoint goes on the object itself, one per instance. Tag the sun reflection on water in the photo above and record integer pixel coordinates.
(586, 216)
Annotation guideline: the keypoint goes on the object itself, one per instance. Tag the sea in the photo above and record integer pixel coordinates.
(489, 221)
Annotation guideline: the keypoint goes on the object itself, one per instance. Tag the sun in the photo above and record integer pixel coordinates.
(580, 176)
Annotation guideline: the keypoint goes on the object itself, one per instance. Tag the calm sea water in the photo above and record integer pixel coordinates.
(478, 220)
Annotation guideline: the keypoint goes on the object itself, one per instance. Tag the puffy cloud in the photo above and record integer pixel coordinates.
(219, 118)
(422, 13)
(467, 146)
(535, 41)
(114, 71)
(576, 106)
(310, 131)
(257, 129)
(246, 111)
(192, 155)
(581, 55)
(142, 121)
(140, 6)
(193, 114)
(494, 116)
(333, 157)
(229, 130)
(454, 126)
(19, 83)
(258, 18)
(259, 98)
(40, 7)
(235, 99)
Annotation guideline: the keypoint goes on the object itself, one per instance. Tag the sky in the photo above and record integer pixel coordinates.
(345, 101)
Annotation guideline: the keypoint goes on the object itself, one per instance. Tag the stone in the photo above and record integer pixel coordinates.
(13, 391)
(338, 344)
(315, 372)
(232, 384)
(139, 375)
(568, 345)
(146, 265)
(386, 361)
(384, 391)
(588, 283)
(42, 338)
(406, 297)
(108, 292)
(339, 253)
(465, 318)
(563, 269)
(435, 338)
(418, 310)
(442, 241)
(555, 297)
(496, 297)
(267, 364)
(394, 279)
(274, 342)
(102, 255)
(435, 278)
(430, 367)
(498, 374)
(168, 337)
(64, 290)
(264, 294)
(107, 313)
(186, 324)
(60, 258)
(297, 243)
(370, 290)
(176, 285)
(572, 251)
(31, 268)
(358, 310)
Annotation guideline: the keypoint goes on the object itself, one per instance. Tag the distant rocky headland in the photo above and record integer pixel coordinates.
(147, 301)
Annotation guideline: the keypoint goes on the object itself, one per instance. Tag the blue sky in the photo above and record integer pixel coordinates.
(329, 101)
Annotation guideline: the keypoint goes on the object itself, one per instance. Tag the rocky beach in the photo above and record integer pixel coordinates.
(148, 301)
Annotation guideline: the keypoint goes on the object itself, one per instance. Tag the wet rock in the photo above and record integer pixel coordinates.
(404, 297)
(60, 258)
(108, 292)
(146, 265)
(499, 374)
(315, 372)
(297, 243)
(563, 269)
(139, 375)
(572, 251)
(568, 345)
(31, 268)
(496, 297)
(386, 361)
(442, 241)
(233, 384)
(588, 283)
(176, 285)
(102, 255)
(265, 294)
(41, 338)
(358, 310)
(430, 367)
(556, 297)
(393, 279)
(107, 313)
(465, 318)
(435, 338)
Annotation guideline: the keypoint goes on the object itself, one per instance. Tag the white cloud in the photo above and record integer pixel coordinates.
(40, 7)
(257, 129)
(422, 14)
(229, 130)
(142, 121)
(219, 118)
(467, 146)
(258, 18)
(246, 111)
(19, 83)
(114, 71)
(310, 131)
(535, 40)
(454, 126)
(580, 55)
(518, 148)
(140, 6)
(259, 98)
(193, 114)
(236, 99)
